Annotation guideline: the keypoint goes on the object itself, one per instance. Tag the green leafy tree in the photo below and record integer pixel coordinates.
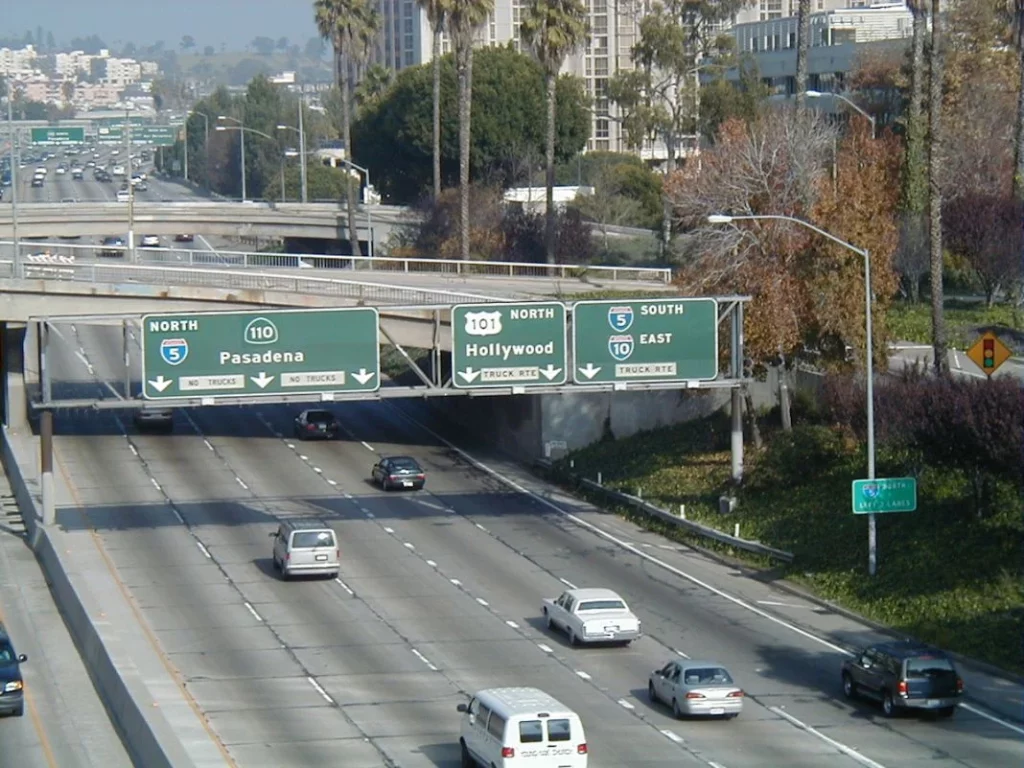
(263, 109)
(553, 29)
(375, 83)
(395, 137)
(463, 18)
(187, 43)
(351, 26)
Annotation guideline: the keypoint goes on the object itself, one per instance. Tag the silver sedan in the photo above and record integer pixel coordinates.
(696, 688)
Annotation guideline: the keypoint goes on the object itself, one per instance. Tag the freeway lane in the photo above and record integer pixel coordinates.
(503, 550)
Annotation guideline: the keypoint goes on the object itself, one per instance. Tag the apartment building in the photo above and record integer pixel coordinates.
(18, 63)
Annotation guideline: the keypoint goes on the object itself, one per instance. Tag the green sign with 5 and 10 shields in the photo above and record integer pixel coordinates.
(276, 352)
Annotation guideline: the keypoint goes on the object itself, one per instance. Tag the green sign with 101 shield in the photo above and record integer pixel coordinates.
(508, 345)
(884, 494)
(242, 354)
(52, 137)
(645, 340)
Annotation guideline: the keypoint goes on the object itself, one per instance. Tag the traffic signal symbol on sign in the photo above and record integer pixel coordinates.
(989, 353)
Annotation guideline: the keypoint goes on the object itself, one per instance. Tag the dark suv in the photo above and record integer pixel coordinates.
(12, 697)
(904, 675)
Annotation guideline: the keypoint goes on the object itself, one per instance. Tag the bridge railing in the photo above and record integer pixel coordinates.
(200, 257)
(234, 280)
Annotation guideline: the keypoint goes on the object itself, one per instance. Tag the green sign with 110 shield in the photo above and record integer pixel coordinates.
(241, 354)
(884, 494)
(508, 345)
(645, 340)
(57, 136)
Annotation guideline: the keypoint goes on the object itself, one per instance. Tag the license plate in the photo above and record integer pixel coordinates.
(718, 711)
(931, 702)
(611, 629)
(407, 483)
(321, 557)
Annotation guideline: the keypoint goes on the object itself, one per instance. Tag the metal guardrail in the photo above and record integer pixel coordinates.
(233, 279)
(690, 526)
(249, 260)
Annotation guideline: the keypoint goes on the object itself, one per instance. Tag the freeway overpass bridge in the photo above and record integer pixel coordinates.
(322, 221)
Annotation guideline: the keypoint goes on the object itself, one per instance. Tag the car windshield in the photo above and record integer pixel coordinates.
(707, 676)
(405, 463)
(928, 666)
(602, 605)
(311, 539)
(6, 654)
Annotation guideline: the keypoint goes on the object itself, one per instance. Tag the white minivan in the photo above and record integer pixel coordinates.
(506, 727)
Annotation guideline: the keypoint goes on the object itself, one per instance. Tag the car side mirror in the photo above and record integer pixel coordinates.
(462, 708)
(22, 658)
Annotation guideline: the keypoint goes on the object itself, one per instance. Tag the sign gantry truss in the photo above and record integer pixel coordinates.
(184, 359)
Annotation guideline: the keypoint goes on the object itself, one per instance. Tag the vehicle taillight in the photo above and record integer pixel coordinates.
(421, 477)
(508, 752)
(393, 477)
(337, 553)
(695, 696)
(287, 555)
(311, 427)
(959, 685)
(581, 749)
(901, 687)
(735, 695)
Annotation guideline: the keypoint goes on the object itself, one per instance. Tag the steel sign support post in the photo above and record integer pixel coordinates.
(736, 435)
(46, 430)
(126, 346)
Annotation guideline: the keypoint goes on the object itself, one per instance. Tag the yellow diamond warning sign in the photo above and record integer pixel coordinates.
(988, 353)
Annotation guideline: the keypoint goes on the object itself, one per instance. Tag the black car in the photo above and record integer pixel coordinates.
(115, 252)
(316, 424)
(398, 472)
(904, 675)
(154, 419)
(12, 698)
(183, 238)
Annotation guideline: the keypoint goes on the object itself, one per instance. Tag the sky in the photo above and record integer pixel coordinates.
(211, 22)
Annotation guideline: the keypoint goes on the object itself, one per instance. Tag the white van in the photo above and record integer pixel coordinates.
(506, 727)
(305, 548)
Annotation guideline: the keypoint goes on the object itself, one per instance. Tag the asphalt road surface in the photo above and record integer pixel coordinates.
(439, 595)
(65, 724)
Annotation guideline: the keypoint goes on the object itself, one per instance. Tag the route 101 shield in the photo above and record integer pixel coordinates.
(620, 318)
(620, 347)
(174, 351)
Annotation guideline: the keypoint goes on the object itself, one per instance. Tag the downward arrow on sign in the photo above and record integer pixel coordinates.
(160, 383)
(262, 380)
(590, 371)
(550, 372)
(469, 375)
(363, 375)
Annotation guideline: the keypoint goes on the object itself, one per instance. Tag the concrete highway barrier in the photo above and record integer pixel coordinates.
(137, 689)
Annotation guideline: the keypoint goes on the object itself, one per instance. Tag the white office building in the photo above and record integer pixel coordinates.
(18, 63)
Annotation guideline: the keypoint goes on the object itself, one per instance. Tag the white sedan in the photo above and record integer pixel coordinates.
(592, 616)
(150, 241)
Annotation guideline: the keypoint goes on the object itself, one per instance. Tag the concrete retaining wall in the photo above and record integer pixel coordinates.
(117, 674)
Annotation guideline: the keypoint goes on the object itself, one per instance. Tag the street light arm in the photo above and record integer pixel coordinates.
(724, 219)
(846, 100)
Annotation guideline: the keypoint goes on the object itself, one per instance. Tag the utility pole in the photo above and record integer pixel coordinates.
(16, 260)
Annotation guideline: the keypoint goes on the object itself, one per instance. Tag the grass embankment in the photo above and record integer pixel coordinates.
(913, 322)
(945, 576)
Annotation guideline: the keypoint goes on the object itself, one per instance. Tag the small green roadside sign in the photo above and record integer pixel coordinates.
(275, 352)
(884, 494)
(645, 340)
(508, 345)
(55, 137)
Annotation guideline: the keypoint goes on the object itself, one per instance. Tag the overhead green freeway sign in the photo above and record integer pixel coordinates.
(884, 494)
(278, 352)
(645, 340)
(508, 345)
(52, 137)
(155, 135)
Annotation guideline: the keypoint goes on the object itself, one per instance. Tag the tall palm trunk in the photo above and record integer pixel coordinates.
(437, 111)
(1018, 139)
(803, 44)
(935, 191)
(549, 223)
(346, 135)
(465, 106)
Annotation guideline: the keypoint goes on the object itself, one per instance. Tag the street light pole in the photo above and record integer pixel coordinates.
(16, 259)
(869, 362)
(131, 187)
(302, 152)
(366, 203)
(852, 104)
(185, 146)
(241, 130)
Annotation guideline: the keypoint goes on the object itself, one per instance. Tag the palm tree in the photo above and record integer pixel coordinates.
(935, 190)
(554, 29)
(436, 11)
(351, 26)
(464, 17)
(803, 45)
(375, 83)
(1018, 143)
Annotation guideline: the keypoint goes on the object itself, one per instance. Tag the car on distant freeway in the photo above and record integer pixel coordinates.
(591, 616)
(904, 675)
(115, 247)
(12, 686)
(123, 196)
(154, 419)
(696, 688)
(398, 472)
(316, 423)
(183, 238)
(150, 241)
(37, 181)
